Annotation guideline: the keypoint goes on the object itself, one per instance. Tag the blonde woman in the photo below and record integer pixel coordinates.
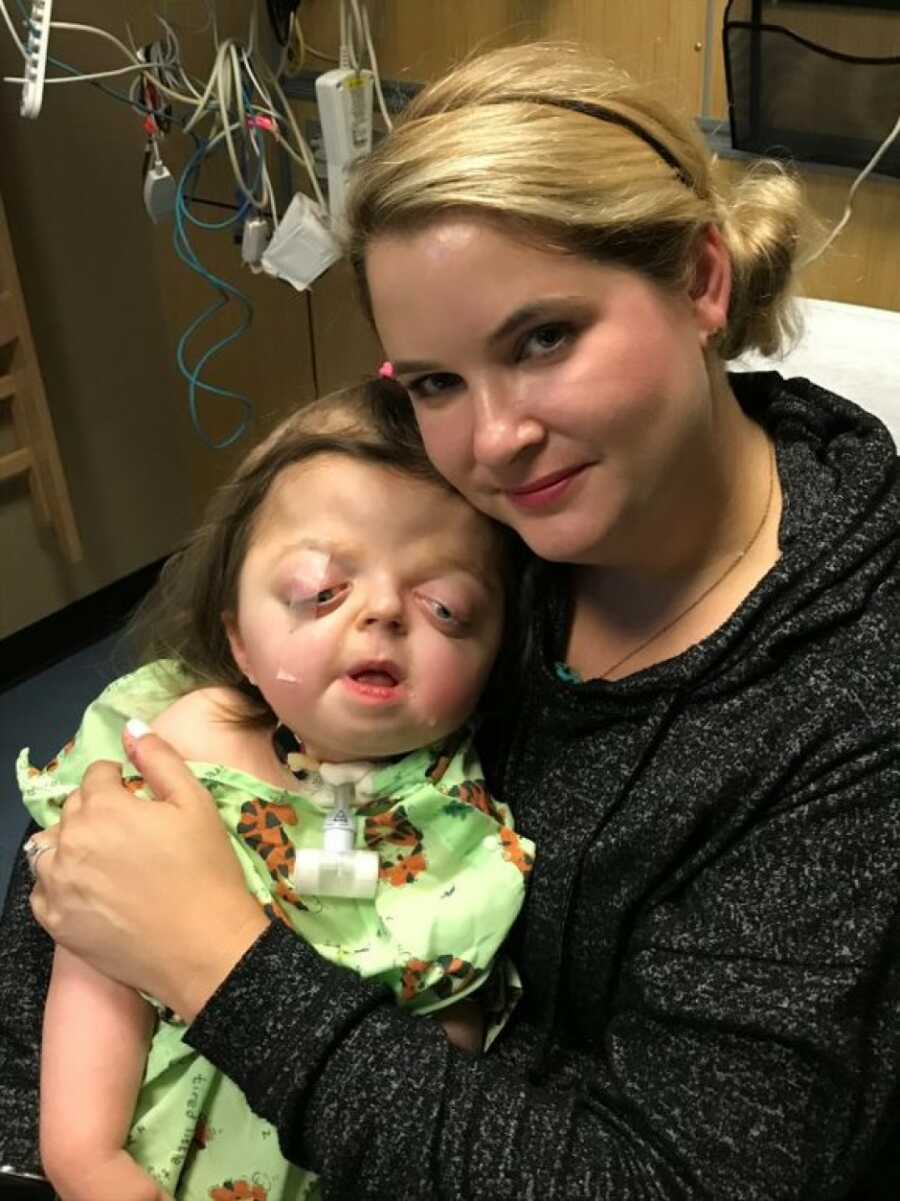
(705, 739)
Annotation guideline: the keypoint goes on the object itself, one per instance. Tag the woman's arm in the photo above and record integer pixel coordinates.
(96, 1034)
(685, 1090)
(26, 955)
(749, 1049)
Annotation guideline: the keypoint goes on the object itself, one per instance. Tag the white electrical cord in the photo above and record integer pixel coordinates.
(373, 63)
(13, 32)
(221, 97)
(869, 167)
(356, 36)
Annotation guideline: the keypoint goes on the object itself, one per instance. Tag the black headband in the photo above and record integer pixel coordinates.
(614, 118)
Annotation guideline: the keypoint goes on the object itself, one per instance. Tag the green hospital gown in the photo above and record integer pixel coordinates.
(451, 881)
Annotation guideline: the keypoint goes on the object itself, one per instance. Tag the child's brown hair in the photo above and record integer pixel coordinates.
(182, 618)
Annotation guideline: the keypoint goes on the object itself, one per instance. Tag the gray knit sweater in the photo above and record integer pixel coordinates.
(710, 944)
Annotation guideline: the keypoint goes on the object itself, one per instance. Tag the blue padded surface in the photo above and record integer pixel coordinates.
(42, 713)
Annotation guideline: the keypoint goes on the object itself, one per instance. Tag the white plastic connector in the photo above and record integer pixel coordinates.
(345, 110)
(159, 191)
(36, 57)
(337, 870)
(254, 240)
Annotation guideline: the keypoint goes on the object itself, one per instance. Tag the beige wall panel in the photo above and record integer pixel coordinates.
(861, 265)
(418, 39)
(347, 349)
(71, 183)
(107, 300)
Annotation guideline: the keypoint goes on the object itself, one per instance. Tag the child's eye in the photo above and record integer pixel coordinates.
(449, 619)
(546, 339)
(426, 387)
(312, 602)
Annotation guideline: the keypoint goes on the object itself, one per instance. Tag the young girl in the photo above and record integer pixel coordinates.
(340, 606)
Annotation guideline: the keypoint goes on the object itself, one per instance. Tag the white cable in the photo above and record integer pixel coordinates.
(174, 46)
(251, 32)
(80, 78)
(201, 104)
(305, 157)
(286, 49)
(228, 81)
(357, 35)
(345, 53)
(373, 63)
(100, 33)
(13, 32)
(870, 166)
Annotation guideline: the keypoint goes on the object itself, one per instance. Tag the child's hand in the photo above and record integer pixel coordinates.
(126, 890)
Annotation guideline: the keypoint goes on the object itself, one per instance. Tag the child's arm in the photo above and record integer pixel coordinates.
(96, 1034)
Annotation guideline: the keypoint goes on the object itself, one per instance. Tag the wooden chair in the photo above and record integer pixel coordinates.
(36, 455)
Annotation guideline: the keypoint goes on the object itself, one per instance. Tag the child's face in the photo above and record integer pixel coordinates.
(369, 608)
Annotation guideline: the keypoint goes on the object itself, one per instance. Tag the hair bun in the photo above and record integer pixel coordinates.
(762, 225)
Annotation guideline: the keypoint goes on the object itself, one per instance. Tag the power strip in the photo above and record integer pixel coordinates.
(36, 57)
(345, 109)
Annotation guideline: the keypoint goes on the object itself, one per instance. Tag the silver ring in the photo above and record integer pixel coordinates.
(33, 851)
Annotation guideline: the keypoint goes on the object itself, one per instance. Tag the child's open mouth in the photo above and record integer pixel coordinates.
(375, 681)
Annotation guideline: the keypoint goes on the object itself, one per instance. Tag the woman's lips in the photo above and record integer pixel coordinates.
(545, 491)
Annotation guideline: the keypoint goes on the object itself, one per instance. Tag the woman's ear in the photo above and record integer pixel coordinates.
(236, 642)
(711, 288)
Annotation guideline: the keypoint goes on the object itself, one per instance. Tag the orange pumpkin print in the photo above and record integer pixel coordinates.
(475, 793)
(392, 831)
(514, 852)
(413, 975)
(442, 756)
(262, 828)
(456, 974)
(238, 1190)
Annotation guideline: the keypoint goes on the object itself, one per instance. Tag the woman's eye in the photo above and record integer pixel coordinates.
(437, 384)
(546, 339)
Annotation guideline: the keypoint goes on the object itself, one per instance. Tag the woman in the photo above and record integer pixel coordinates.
(704, 747)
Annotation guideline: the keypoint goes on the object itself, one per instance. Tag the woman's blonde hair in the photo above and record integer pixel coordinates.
(571, 153)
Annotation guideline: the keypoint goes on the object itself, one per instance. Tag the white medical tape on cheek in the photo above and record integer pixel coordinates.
(313, 571)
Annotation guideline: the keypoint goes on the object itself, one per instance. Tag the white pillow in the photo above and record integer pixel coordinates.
(850, 349)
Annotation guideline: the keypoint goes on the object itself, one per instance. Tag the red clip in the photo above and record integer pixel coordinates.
(265, 123)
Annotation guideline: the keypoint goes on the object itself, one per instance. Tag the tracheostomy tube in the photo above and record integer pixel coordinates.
(337, 868)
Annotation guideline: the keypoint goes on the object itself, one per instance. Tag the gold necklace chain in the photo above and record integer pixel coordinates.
(716, 582)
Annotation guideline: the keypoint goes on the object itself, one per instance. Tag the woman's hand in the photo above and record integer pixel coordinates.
(148, 892)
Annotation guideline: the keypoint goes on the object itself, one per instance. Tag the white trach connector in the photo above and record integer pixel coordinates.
(254, 241)
(36, 47)
(345, 110)
(338, 869)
